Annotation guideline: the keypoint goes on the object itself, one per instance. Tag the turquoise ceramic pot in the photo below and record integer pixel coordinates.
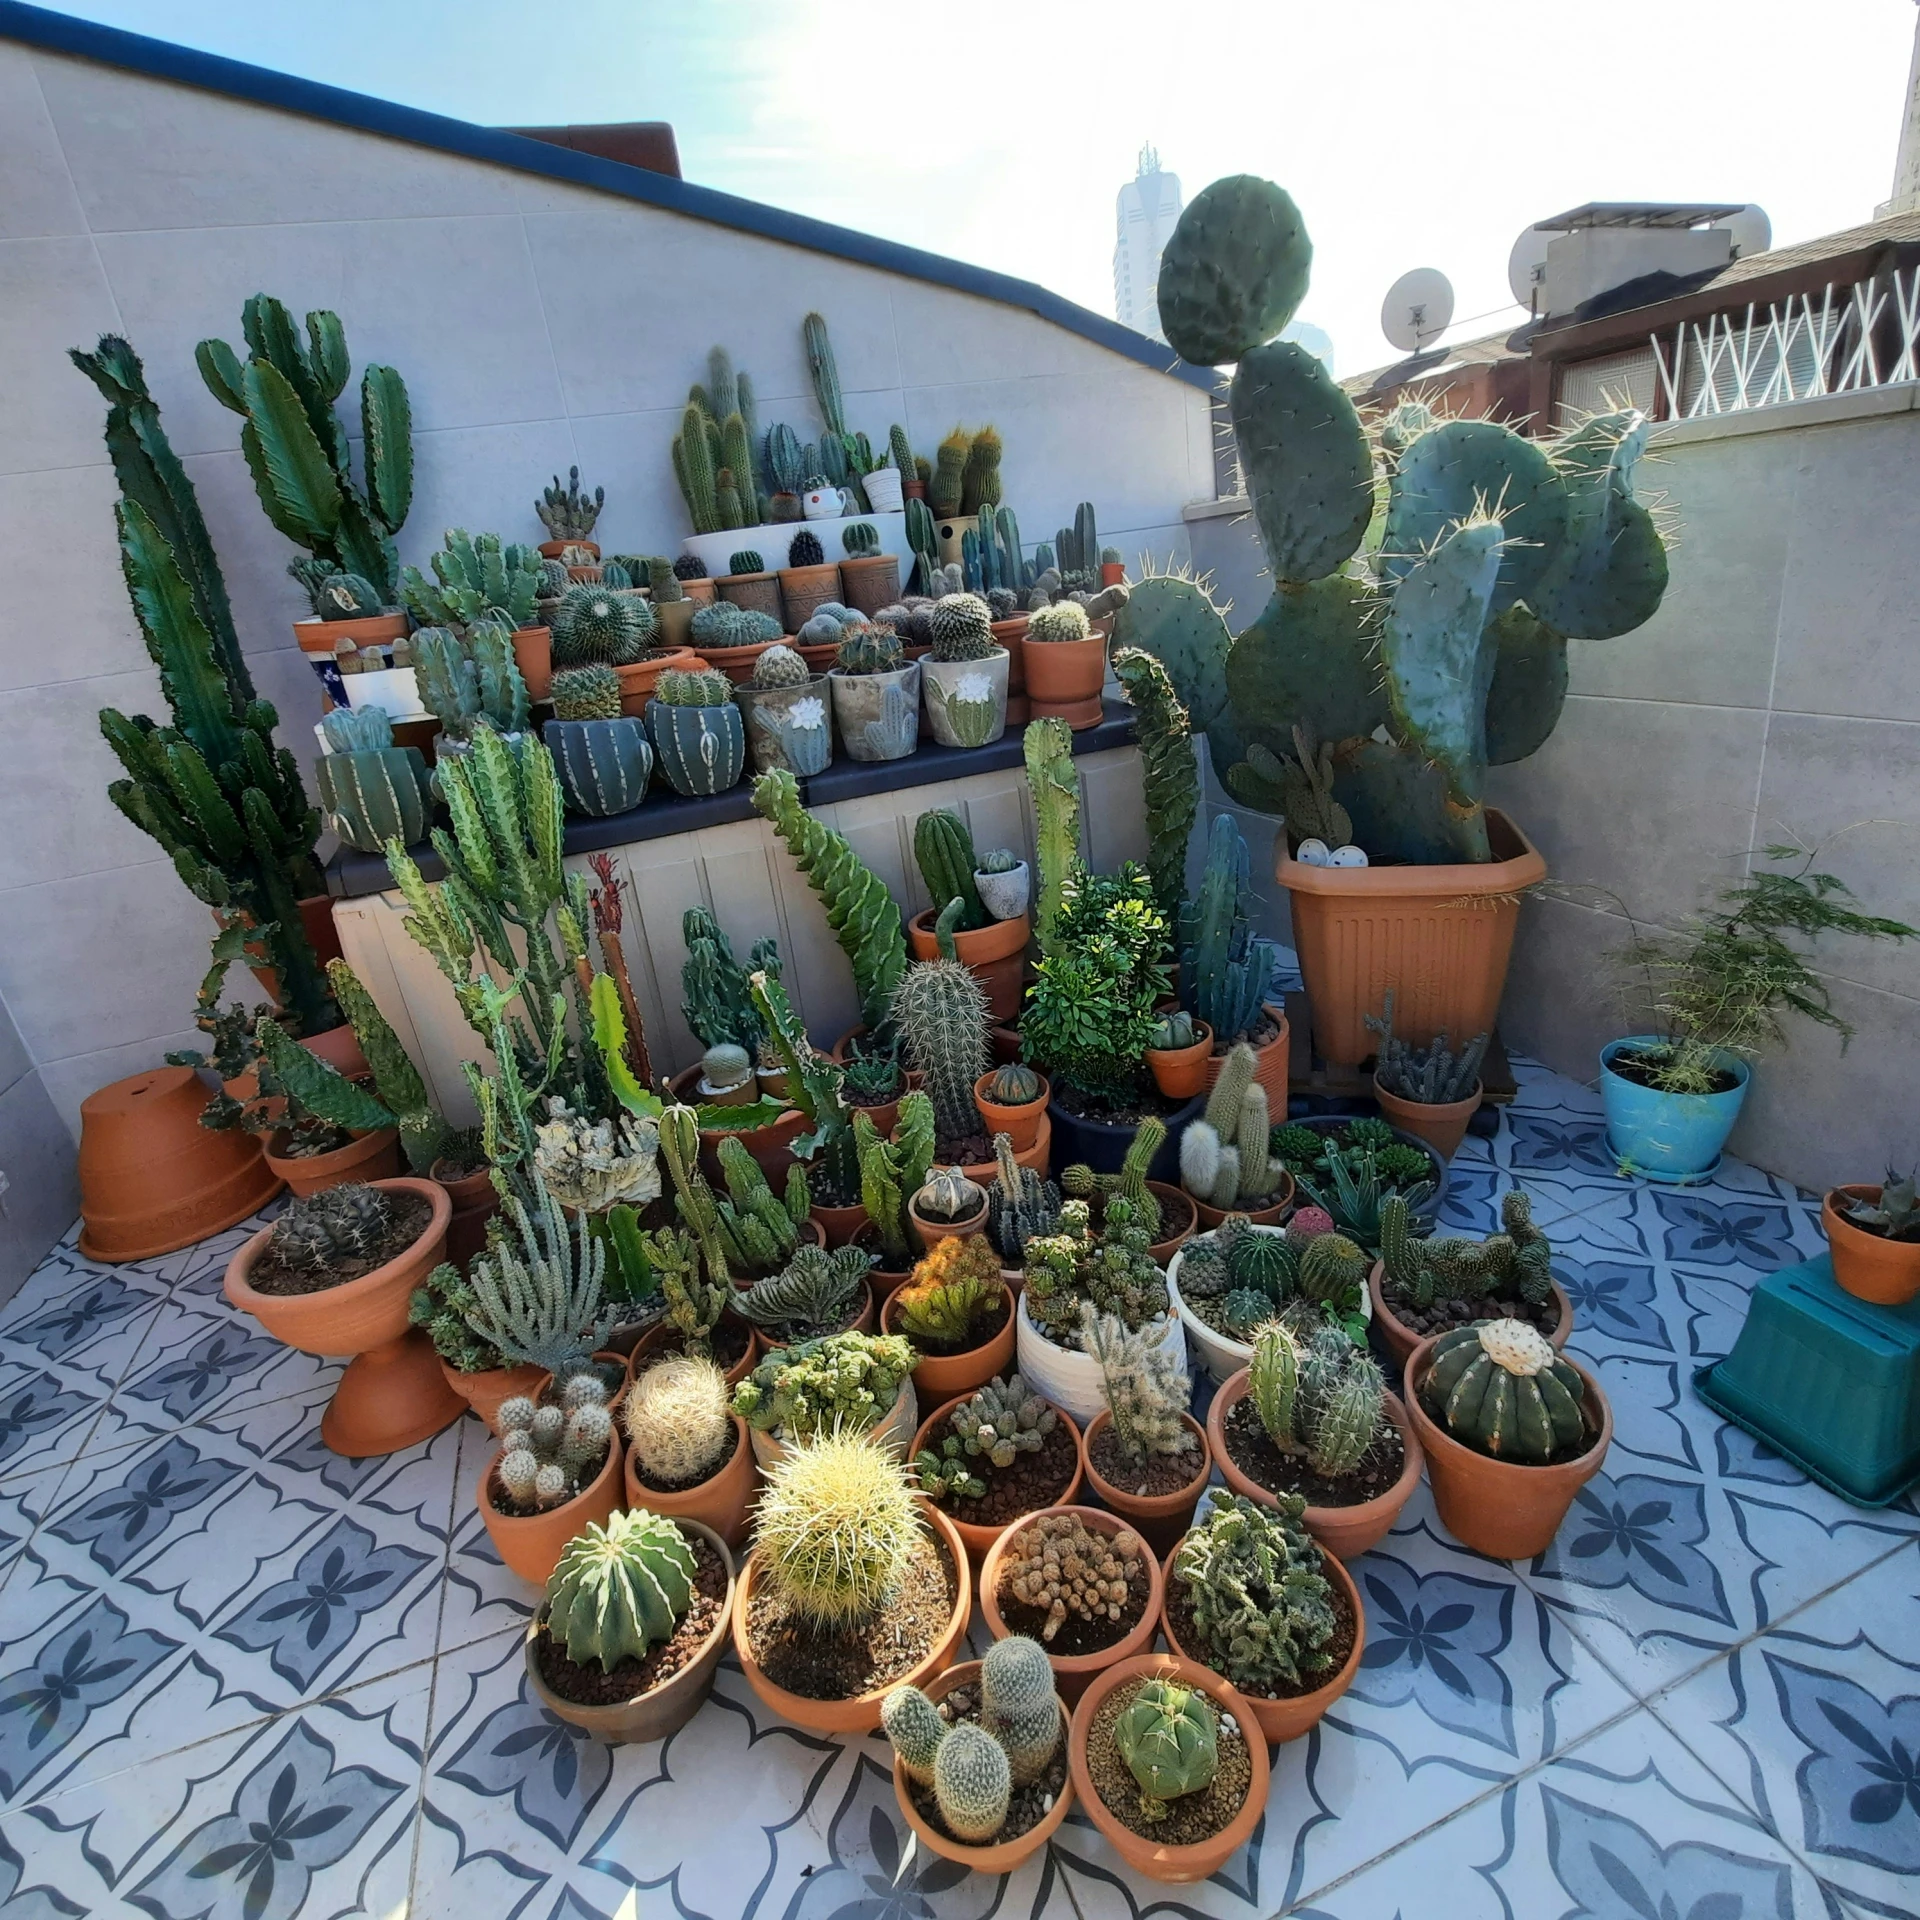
(1667, 1136)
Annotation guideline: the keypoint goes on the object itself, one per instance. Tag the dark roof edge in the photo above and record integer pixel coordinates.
(164, 60)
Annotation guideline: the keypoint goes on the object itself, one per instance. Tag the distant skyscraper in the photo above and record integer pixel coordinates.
(1144, 219)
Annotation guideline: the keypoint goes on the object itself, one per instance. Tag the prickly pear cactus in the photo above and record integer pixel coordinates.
(1441, 652)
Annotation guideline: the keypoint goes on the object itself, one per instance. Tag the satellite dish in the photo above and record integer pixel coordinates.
(1417, 309)
(1527, 265)
(1751, 229)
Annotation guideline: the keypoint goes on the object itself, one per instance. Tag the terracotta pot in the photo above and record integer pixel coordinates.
(1270, 1215)
(474, 1202)
(861, 1714)
(1073, 1671)
(637, 681)
(818, 654)
(663, 1709)
(1442, 1125)
(1064, 674)
(757, 592)
(1175, 1203)
(533, 655)
(840, 1224)
(932, 1230)
(1499, 1507)
(1172, 1864)
(869, 584)
(995, 955)
(1012, 634)
(913, 489)
(334, 637)
(978, 1539)
(553, 549)
(1020, 1124)
(994, 1856)
(802, 589)
(893, 1430)
(1440, 937)
(940, 1376)
(152, 1178)
(1113, 573)
(1159, 1518)
(1038, 1156)
(1004, 1044)
(367, 1156)
(1869, 1265)
(1181, 1072)
(531, 1544)
(720, 1501)
(340, 1049)
(1271, 1063)
(1345, 1531)
(393, 1394)
(1401, 1338)
(486, 1393)
(737, 663)
(658, 1339)
(1282, 1720)
(700, 592)
(770, 1146)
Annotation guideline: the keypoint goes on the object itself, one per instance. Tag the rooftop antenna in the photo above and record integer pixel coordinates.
(1417, 309)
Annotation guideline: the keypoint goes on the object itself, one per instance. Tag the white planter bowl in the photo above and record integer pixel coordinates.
(1005, 895)
(1068, 1377)
(1221, 1355)
(771, 542)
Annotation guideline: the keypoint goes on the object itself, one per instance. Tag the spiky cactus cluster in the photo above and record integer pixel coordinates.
(1070, 1269)
(1130, 1183)
(962, 628)
(1224, 1158)
(323, 1231)
(620, 1588)
(708, 688)
(1227, 975)
(1322, 1398)
(566, 512)
(1499, 1388)
(722, 624)
(780, 667)
(585, 693)
(550, 1452)
(758, 1229)
(1434, 1074)
(847, 1382)
(835, 1528)
(1021, 1205)
(1144, 1386)
(816, 1293)
(595, 625)
(1514, 1264)
(677, 1417)
(869, 649)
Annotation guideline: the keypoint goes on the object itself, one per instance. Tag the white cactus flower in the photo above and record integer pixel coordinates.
(807, 714)
(973, 687)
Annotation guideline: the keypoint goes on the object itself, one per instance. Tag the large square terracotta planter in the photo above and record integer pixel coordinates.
(1440, 937)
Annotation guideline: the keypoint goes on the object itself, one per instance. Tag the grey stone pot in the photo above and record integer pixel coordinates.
(967, 699)
(878, 714)
(790, 727)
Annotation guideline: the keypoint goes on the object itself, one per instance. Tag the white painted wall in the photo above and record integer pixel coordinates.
(537, 325)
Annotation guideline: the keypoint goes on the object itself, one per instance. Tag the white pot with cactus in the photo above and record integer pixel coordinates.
(1005, 883)
(965, 675)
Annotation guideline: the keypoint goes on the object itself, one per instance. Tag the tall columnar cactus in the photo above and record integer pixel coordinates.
(861, 911)
(950, 466)
(1055, 786)
(980, 480)
(941, 1013)
(296, 448)
(925, 543)
(943, 850)
(900, 452)
(826, 373)
(1226, 975)
(1496, 549)
(718, 1005)
(1170, 772)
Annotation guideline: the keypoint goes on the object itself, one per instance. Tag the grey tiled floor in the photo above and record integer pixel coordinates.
(246, 1679)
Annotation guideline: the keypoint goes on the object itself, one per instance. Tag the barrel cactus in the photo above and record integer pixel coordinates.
(595, 624)
(962, 627)
(620, 1588)
(780, 667)
(1500, 1388)
(1169, 1737)
(585, 693)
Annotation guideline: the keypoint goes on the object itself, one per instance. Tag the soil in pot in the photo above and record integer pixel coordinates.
(1641, 1069)
(1193, 1817)
(407, 1221)
(589, 1685)
(1127, 1111)
(1034, 1481)
(1026, 1807)
(1077, 1635)
(1151, 1479)
(863, 1659)
(1339, 1649)
(1262, 1462)
(1444, 1315)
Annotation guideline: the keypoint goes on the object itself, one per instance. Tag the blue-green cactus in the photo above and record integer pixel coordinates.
(1235, 271)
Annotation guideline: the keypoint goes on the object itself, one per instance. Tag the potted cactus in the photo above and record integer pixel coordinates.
(1066, 663)
(599, 626)
(991, 1457)
(1512, 1430)
(1004, 883)
(980, 1757)
(958, 1313)
(1178, 1054)
(568, 515)
(558, 1470)
(602, 757)
(816, 1294)
(731, 639)
(1251, 1594)
(1013, 1102)
(1232, 1280)
(869, 578)
(785, 704)
(469, 681)
(876, 694)
(749, 583)
(472, 1366)
(699, 738)
(1347, 1169)
(965, 674)
(1225, 1162)
(817, 639)
(854, 1587)
(860, 1383)
(688, 1455)
(1227, 977)
(1147, 1457)
(947, 1206)
(1430, 1092)
(940, 1014)
(808, 579)
(992, 947)
(370, 790)
(1873, 1234)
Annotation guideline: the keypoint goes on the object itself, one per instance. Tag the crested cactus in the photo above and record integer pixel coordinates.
(1496, 548)
(780, 667)
(818, 1293)
(1499, 1388)
(619, 1588)
(848, 1382)
(1262, 1606)
(952, 1293)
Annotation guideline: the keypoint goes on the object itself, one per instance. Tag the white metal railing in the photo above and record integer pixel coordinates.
(1796, 348)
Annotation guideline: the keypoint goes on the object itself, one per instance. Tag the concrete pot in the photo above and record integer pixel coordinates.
(870, 583)
(1070, 1378)
(603, 765)
(878, 714)
(790, 727)
(701, 750)
(1005, 895)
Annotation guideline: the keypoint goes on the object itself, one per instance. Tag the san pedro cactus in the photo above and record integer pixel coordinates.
(943, 851)
(1055, 786)
(1497, 548)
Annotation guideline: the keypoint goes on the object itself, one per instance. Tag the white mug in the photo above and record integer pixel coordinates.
(826, 503)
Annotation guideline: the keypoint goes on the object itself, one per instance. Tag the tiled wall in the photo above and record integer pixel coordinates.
(537, 325)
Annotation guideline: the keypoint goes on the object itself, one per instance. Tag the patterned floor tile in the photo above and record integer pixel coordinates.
(47, 1415)
(1816, 1726)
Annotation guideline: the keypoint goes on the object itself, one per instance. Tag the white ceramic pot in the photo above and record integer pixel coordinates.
(883, 489)
(771, 542)
(1005, 895)
(966, 700)
(1219, 1353)
(392, 689)
(1068, 1377)
(826, 503)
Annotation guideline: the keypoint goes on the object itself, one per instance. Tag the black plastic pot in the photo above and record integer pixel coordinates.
(1429, 1211)
(1102, 1146)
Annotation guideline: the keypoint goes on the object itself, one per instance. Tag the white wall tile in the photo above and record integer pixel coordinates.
(52, 296)
(39, 197)
(83, 626)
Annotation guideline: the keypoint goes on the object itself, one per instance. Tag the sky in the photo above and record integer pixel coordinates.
(999, 131)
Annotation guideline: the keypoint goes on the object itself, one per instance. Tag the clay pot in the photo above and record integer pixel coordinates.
(638, 679)
(700, 592)
(1270, 1215)
(861, 1714)
(1012, 634)
(720, 1501)
(939, 1376)
(152, 1178)
(1158, 1518)
(1064, 678)
(1113, 573)
(393, 1394)
(995, 955)
(838, 1225)
(474, 1202)
(1173, 1864)
(659, 1339)
(663, 1709)
(333, 637)
(1345, 1531)
(737, 663)
(553, 549)
(802, 589)
(931, 1230)
(1401, 1338)
(1020, 1124)
(1869, 1265)
(757, 592)
(533, 655)
(869, 584)
(881, 1278)
(1442, 1125)
(1271, 1063)
(1282, 1720)
(1073, 1671)
(992, 1856)
(1501, 1508)
(339, 1047)
(1175, 1203)
(531, 1544)
(818, 654)
(1181, 1072)
(367, 1156)
(486, 1393)
(978, 1538)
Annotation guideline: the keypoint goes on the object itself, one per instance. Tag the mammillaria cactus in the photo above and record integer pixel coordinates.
(972, 1780)
(332, 1229)
(1499, 1388)
(549, 1452)
(1145, 1388)
(780, 667)
(585, 693)
(1018, 1705)
(962, 627)
(594, 624)
(913, 1723)
(1169, 1737)
(1261, 1604)
(677, 1419)
(619, 1588)
(1061, 621)
(1059, 1566)
(835, 1528)
(566, 512)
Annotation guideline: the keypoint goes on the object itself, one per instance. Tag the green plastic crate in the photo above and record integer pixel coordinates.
(1828, 1381)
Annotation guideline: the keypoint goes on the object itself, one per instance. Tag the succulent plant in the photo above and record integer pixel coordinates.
(951, 1292)
(1516, 1263)
(677, 1419)
(1224, 1157)
(677, 688)
(724, 625)
(1018, 1705)
(1499, 1388)
(805, 550)
(1434, 1074)
(816, 1293)
(943, 851)
(1261, 1604)
(585, 693)
(861, 540)
(913, 1723)
(1014, 1086)
(1060, 1566)
(1021, 1205)
(619, 1588)
(331, 1229)
(549, 1452)
(1894, 1214)
(848, 1381)
(941, 1012)
(1068, 1269)
(834, 1529)
(1061, 621)
(780, 667)
(595, 624)
(962, 628)
(1002, 1420)
(1169, 1737)
(1144, 1387)
(747, 560)
(948, 1195)
(1175, 1030)
(972, 1780)
(566, 512)
(869, 649)
(1327, 1404)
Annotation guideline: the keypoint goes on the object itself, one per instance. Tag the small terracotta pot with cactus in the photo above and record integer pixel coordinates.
(688, 1455)
(558, 1469)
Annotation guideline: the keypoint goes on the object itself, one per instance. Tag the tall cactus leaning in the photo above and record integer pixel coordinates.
(1055, 786)
(1496, 549)
(1170, 772)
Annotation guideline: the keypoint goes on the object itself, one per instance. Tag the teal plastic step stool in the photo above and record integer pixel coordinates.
(1830, 1382)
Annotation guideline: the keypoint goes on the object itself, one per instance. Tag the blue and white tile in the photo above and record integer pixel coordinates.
(1626, 1826)
(308, 1812)
(483, 1596)
(1816, 1726)
(47, 1414)
(95, 1332)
